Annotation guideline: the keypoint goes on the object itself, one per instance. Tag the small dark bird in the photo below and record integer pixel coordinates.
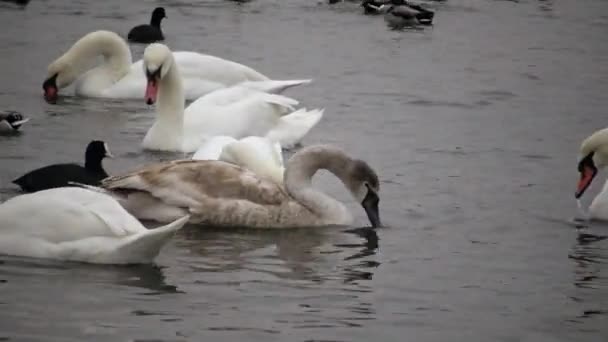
(149, 33)
(11, 121)
(59, 175)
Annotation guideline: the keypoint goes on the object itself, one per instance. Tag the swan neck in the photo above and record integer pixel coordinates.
(170, 102)
(303, 166)
(116, 53)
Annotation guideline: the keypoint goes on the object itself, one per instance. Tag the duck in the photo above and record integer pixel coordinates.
(402, 14)
(60, 175)
(237, 112)
(149, 33)
(593, 158)
(77, 224)
(373, 6)
(11, 121)
(118, 77)
(222, 194)
(260, 155)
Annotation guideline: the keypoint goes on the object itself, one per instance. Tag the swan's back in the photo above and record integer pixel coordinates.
(66, 214)
(193, 64)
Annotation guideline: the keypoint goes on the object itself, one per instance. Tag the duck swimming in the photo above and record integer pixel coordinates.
(11, 121)
(149, 33)
(60, 175)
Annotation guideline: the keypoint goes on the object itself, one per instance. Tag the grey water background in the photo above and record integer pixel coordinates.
(473, 125)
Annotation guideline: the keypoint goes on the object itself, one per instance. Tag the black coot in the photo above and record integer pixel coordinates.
(149, 33)
(59, 175)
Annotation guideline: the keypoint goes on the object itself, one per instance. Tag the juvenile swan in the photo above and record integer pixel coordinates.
(222, 194)
(118, 77)
(78, 225)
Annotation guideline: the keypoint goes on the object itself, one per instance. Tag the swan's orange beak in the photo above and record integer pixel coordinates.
(587, 174)
(151, 90)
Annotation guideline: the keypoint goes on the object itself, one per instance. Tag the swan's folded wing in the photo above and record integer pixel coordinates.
(188, 183)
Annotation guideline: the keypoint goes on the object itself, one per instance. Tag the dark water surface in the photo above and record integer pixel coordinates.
(473, 125)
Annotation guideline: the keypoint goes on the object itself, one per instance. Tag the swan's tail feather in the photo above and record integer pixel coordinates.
(293, 127)
(211, 147)
(286, 104)
(144, 247)
(275, 87)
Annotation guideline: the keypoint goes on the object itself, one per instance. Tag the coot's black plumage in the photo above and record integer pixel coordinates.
(149, 33)
(59, 175)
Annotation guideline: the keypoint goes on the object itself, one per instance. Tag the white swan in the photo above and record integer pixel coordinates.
(237, 112)
(78, 225)
(119, 77)
(257, 154)
(223, 194)
(594, 157)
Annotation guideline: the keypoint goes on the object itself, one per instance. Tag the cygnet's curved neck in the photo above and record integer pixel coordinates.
(302, 167)
(170, 102)
(116, 53)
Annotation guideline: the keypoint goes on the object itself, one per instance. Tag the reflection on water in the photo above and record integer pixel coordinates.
(590, 261)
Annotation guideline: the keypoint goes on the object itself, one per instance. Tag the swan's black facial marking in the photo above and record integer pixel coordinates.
(153, 74)
(50, 89)
(370, 204)
(588, 170)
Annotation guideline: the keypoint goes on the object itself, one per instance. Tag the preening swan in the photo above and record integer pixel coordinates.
(149, 33)
(118, 77)
(594, 157)
(11, 121)
(257, 154)
(223, 194)
(78, 225)
(60, 175)
(235, 112)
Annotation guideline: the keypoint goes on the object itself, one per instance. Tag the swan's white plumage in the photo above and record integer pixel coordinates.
(257, 154)
(119, 77)
(79, 225)
(238, 112)
(599, 206)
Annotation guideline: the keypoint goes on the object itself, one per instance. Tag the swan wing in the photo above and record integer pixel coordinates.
(189, 183)
(211, 147)
(66, 214)
(292, 128)
(198, 65)
(257, 114)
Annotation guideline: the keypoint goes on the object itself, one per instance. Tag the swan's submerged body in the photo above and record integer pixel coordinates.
(78, 225)
(223, 194)
(238, 112)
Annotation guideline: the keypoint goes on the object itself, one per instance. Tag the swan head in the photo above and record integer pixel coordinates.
(60, 74)
(362, 182)
(593, 157)
(158, 59)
